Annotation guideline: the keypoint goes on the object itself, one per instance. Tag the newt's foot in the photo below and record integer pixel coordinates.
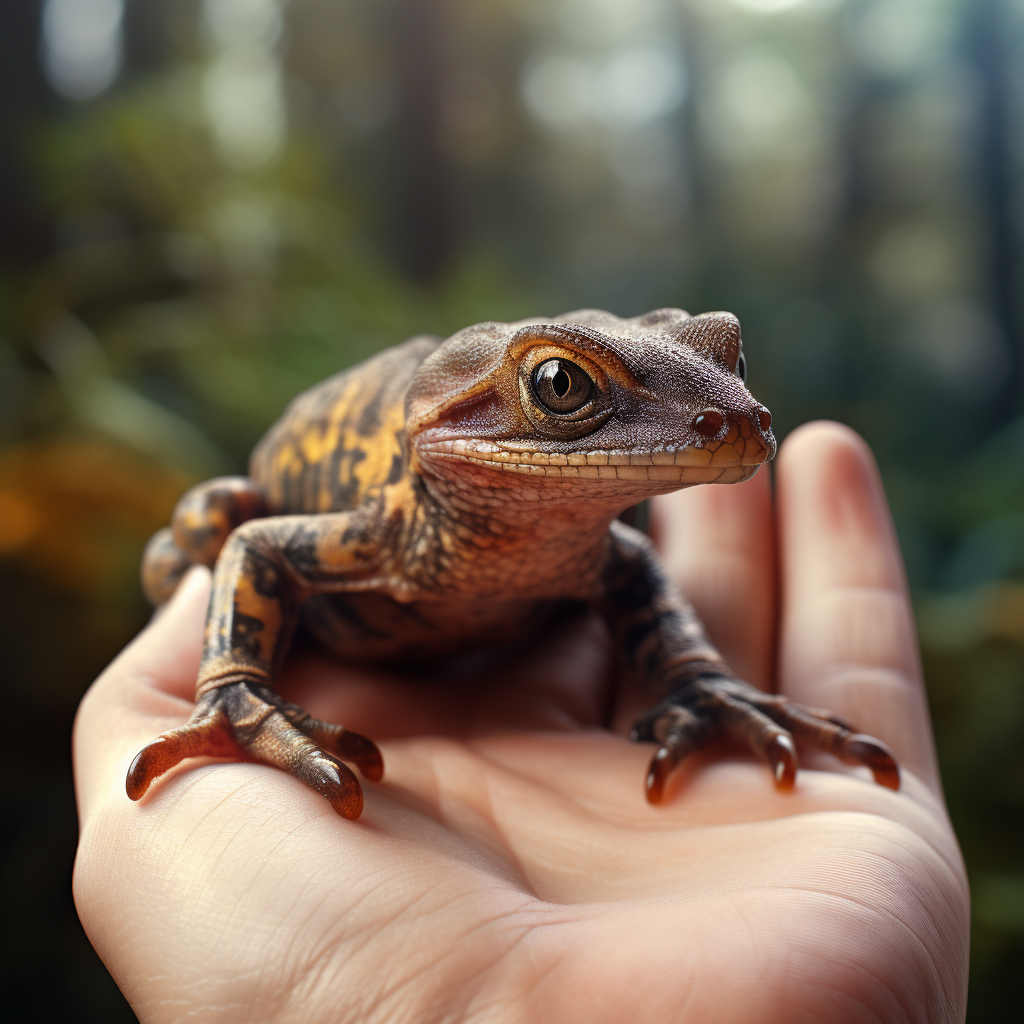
(766, 723)
(249, 722)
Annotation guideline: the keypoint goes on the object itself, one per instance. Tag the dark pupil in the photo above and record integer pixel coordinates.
(561, 386)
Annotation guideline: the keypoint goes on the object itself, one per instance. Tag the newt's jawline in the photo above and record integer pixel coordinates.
(716, 460)
(672, 474)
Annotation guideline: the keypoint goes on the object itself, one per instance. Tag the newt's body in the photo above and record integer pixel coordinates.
(442, 496)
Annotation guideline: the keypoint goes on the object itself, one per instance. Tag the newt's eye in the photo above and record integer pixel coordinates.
(561, 387)
(741, 367)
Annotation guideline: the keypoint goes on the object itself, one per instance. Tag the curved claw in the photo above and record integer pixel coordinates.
(866, 750)
(662, 765)
(355, 747)
(333, 780)
(781, 756)
(680, 732)
(149, 764)
(208, 734)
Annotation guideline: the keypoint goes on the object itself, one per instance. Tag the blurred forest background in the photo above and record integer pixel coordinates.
(207, 205)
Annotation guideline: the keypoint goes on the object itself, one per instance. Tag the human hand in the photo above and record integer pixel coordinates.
(508, 867)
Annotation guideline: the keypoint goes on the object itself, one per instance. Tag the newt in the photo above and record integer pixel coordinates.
(448, 495)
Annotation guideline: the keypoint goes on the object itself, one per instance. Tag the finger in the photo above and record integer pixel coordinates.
(341, 742)
(718, 544)
(847, 639)
(146, 690)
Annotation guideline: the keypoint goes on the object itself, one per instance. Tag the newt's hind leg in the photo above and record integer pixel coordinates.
(249, 722)
(202, 520)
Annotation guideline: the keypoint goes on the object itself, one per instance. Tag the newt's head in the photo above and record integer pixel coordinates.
(588, 406)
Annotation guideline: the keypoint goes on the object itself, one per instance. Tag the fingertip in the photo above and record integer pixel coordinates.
(828, 443)
(818, 433)
(834, 519)
(835, 464)
(825, 447)
(168, 650)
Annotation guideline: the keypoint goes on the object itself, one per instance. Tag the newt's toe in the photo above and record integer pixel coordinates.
(333, 780)
(149, 764)
(207, 733)
(875, 755)
(342, 742)
(681, 732)
(247, 721)
(781, 756)
(662, 765)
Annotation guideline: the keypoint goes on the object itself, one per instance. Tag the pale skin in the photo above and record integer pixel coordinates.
(508, 868)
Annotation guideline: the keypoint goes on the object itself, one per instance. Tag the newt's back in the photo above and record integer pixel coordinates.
(343, 438)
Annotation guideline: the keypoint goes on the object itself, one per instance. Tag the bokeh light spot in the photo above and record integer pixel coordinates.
(81, 45)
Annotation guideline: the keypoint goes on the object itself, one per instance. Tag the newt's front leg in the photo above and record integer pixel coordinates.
(697, 697)
(263, 573)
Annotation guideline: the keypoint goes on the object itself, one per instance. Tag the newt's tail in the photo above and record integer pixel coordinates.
(201, 523)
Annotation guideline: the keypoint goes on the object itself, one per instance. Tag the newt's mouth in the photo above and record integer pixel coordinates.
(730, 459)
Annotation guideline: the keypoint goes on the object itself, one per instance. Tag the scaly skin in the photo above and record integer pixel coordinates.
(445, 496)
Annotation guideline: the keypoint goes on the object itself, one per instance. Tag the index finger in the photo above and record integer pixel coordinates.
(847, 639)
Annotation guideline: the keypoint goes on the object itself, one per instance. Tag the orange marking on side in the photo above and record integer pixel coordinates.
(379, 451)
(317, 444)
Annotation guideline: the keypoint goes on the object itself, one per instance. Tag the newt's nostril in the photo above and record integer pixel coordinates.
(708, 423)
(764, 417)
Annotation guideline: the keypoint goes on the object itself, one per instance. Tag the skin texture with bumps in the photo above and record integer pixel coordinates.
(450, 497)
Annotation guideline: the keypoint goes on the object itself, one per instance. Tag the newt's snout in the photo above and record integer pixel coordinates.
(736, 438)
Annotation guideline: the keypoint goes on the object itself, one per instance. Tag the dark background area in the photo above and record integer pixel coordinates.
(207, 205)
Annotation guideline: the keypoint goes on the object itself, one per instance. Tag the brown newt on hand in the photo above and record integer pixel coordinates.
(441, 496)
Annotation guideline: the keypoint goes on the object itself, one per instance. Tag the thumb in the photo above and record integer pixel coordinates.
(147, 689)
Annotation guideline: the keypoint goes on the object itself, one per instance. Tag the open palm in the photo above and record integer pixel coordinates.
(508, 868)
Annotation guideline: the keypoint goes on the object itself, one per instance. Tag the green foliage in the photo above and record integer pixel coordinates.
(207, 294)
